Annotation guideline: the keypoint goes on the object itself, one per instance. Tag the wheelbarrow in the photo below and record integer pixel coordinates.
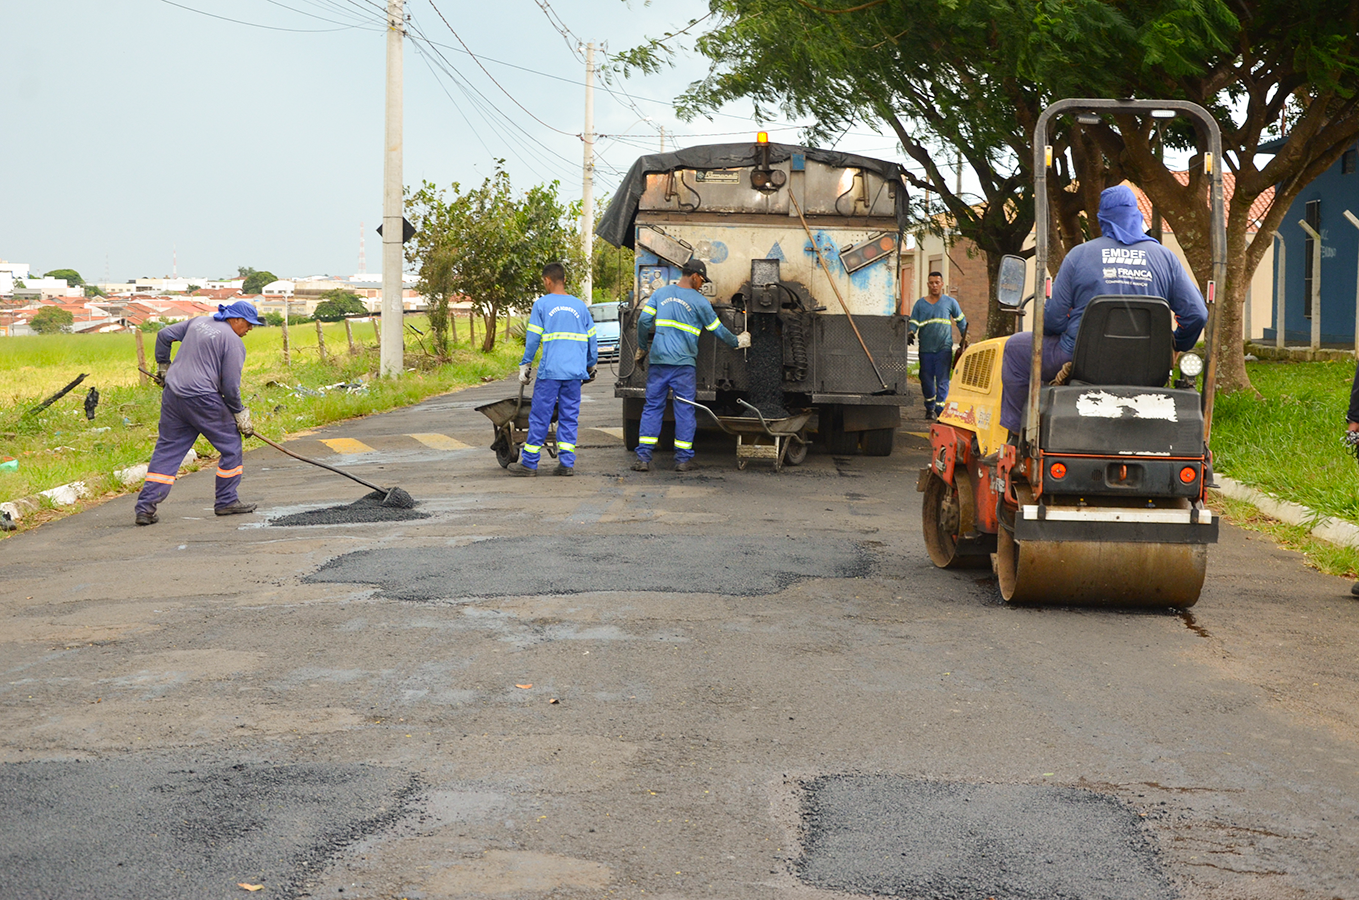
(511, 420)
(778, 440)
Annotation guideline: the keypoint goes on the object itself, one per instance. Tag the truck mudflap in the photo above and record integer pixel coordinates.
(1036, 522)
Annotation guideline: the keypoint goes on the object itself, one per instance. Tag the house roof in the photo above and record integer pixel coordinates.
(1258, 209)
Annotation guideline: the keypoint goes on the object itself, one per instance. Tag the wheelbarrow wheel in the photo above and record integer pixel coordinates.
(506, 454)
(796, 454)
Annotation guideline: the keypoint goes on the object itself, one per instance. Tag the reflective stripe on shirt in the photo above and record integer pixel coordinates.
(682, 326)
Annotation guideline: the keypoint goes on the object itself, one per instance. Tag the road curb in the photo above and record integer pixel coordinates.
(1327, 528)
(67, 494)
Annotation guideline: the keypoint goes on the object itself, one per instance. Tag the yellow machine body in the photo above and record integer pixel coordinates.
(973, 400)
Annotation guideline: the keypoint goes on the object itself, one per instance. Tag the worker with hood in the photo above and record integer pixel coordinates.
(679, 314)
(1124, 260)
(201, 396)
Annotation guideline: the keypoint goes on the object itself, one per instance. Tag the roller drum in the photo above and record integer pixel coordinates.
(1118, 575)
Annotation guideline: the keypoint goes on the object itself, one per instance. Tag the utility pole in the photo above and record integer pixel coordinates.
(587, 189)
(393, 347)
(662, 138)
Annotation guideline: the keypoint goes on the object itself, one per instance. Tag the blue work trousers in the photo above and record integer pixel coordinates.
(934, 372)
(1016, 368)
(182, 420)
(660, 381)
(564, 396)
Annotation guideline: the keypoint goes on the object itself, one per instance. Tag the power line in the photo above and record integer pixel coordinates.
(492, 77)
(257, 24)
(572, 41)
(490, 111)
(303, 12)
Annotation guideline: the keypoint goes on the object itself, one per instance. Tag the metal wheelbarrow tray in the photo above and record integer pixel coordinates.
(510, 418)
(777, 440)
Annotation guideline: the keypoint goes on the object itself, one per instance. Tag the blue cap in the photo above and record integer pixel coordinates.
(241, 309)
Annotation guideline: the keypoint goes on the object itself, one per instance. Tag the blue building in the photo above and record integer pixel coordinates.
(1322, 204)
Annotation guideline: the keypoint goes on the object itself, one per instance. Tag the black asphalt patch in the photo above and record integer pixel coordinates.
(903, 837)
(535, 566)
(367, 508)
(179, 827)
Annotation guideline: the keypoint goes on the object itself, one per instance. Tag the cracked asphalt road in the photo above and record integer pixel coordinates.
(631, 685)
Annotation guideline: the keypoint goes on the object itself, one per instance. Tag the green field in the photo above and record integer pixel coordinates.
(60, 445)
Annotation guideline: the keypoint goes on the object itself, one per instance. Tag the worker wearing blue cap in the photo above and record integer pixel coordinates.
(202, 396)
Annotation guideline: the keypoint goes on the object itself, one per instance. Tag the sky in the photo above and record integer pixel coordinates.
(146, 137)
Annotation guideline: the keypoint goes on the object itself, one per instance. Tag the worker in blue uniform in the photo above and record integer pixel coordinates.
(562, 325)
(1123, 260)
(202, 395)
(679, 314)
(931, 328)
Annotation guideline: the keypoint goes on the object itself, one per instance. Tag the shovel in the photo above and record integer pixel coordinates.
(394, 498)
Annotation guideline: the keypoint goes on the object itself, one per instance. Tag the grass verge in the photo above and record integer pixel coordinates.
(1320, 555)
(60, 445)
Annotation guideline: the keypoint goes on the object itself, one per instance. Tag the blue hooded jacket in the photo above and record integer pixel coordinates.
(1124, 261)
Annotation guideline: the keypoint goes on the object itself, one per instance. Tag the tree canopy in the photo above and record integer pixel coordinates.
(255, 279)
(71, 276)
(51, 320)
(489, 245)
(969, 77)
(337, 304)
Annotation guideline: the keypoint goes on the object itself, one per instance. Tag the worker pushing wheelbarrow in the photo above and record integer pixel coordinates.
(777, 440)
(511, 420)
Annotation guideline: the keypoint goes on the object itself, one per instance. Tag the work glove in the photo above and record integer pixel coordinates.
(161, 369)
(590, 374)
(640, 356)
(243, 423)
(525, 374)
(743, 340)
(910, 338)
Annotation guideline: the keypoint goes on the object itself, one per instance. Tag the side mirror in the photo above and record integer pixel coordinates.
(1010, 283)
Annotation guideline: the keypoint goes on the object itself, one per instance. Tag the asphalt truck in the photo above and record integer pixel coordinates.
(803, 249)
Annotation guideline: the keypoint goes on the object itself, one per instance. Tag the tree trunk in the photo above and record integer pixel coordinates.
(1227, 327)
(488, 319)
(999, 321)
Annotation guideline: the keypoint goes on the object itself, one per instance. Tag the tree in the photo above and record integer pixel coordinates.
(71, 276)
(337, 304)
(151, 326)
(51, 320)
(93, 290)
(1273, 62)
(973, 76)
(255, 279)
(489, 246)
(612, 267)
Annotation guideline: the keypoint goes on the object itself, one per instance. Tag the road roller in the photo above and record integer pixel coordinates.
(1099, 499)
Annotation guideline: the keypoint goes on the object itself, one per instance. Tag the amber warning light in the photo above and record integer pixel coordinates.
(762, 137)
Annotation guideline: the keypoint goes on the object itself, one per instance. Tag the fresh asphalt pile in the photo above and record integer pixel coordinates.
(903, 837)
(184, 826)
(576, 564)
(372, 507)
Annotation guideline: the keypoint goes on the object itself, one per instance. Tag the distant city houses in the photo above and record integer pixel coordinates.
(129, 304)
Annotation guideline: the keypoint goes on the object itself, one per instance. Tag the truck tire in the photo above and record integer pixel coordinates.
(840, 442)
(878, 441)
(632, 430)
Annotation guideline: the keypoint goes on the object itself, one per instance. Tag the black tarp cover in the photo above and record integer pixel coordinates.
(616, 226)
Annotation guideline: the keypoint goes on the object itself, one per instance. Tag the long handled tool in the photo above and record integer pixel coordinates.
(395, 497)
(843, 305)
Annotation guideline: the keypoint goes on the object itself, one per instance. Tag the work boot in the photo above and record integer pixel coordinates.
(641, 465)
(521, 470)
(235, 509)
(563, 469)
(147, 518)
(685, 466)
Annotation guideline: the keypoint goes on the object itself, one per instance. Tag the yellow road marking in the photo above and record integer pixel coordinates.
(346, 445)
(440, 442)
